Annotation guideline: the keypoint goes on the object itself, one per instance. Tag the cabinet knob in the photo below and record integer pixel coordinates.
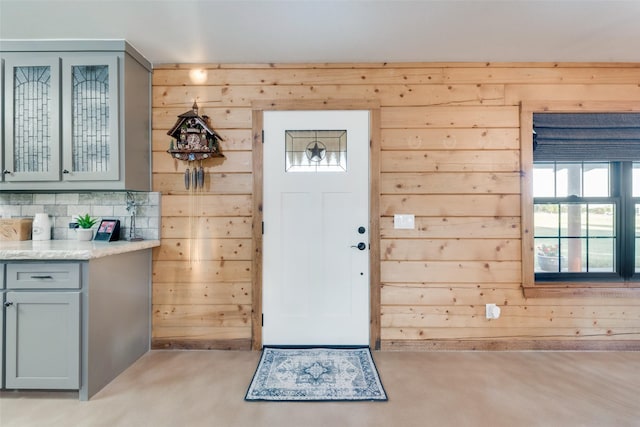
(6, 172)
(65, 171)
(8, 304)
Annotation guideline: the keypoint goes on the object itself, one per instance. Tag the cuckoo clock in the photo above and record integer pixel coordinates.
(194, 140)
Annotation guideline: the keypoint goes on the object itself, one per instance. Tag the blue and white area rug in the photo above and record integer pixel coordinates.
(316, 374)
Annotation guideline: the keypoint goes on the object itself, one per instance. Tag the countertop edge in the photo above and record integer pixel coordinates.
(60, 250)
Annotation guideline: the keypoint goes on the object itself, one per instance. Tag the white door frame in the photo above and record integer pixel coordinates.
(373, 106)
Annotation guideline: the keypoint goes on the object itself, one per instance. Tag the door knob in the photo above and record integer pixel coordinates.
(362, 246)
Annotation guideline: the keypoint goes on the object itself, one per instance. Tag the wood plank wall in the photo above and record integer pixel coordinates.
(449, 154)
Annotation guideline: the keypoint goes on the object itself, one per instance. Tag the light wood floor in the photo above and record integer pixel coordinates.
(206, 388)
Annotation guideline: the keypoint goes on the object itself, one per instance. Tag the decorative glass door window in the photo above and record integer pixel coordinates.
(32, 119)
(316, 151)
(90, 118)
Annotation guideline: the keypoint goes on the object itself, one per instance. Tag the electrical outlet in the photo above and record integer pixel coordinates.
(404, 221)
(492, 311)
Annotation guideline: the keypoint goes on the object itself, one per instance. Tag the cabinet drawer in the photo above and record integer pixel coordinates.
(1, 275)
(43, 276)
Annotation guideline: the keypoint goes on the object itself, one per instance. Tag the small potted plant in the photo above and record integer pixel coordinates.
(549, 257)
(85, 223)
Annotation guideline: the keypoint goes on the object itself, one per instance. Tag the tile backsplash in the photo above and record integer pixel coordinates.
(62, 207)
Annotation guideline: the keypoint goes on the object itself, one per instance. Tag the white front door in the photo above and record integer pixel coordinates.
(315, 273)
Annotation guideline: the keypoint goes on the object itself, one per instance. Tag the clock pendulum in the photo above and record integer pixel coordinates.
(194, 178)
(201, 176)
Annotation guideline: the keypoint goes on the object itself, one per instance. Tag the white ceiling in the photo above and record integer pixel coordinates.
(266, 31)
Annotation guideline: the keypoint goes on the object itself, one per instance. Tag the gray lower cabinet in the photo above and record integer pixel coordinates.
(42, 340)
(2, 325)
(1, 343)
(73, 325)
(42, 326)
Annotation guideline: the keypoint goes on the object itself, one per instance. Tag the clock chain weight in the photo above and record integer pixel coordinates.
(194, 178)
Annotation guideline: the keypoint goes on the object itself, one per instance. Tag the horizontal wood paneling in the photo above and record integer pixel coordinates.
(215, 183)
(203, 293)
(450, 183)
(516, 316)
(205, 205)
(450, 161)
(445, 117)
(200, 333)
(541, 75)
(442, 271)
(206, 249)
(588, 92)
(234, 161)
(451, 205)
(201, 271)
(303, 76)
(449, 154)
(205, 227)
(452, 227)
(471, 294)
(488, 344)
(201, 315)
(509, 333)
(391, 94)
(450, 249)
(180, 343)
(451, 139)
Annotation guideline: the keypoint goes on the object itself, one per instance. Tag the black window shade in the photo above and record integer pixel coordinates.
(586, 136)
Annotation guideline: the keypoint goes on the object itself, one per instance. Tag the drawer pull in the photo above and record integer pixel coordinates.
(43, 277)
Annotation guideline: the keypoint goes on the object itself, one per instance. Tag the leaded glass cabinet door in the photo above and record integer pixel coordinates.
(90, 118)
(32, 121)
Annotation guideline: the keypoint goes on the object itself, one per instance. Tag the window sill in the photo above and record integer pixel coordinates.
(582, 289)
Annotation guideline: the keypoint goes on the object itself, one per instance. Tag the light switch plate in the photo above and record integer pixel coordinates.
(404, 221)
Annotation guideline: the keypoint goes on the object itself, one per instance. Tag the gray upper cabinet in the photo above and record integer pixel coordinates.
(90, 133)
(32, 118)
(76, 116)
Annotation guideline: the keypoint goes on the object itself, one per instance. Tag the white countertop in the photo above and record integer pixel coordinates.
(68, 249)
